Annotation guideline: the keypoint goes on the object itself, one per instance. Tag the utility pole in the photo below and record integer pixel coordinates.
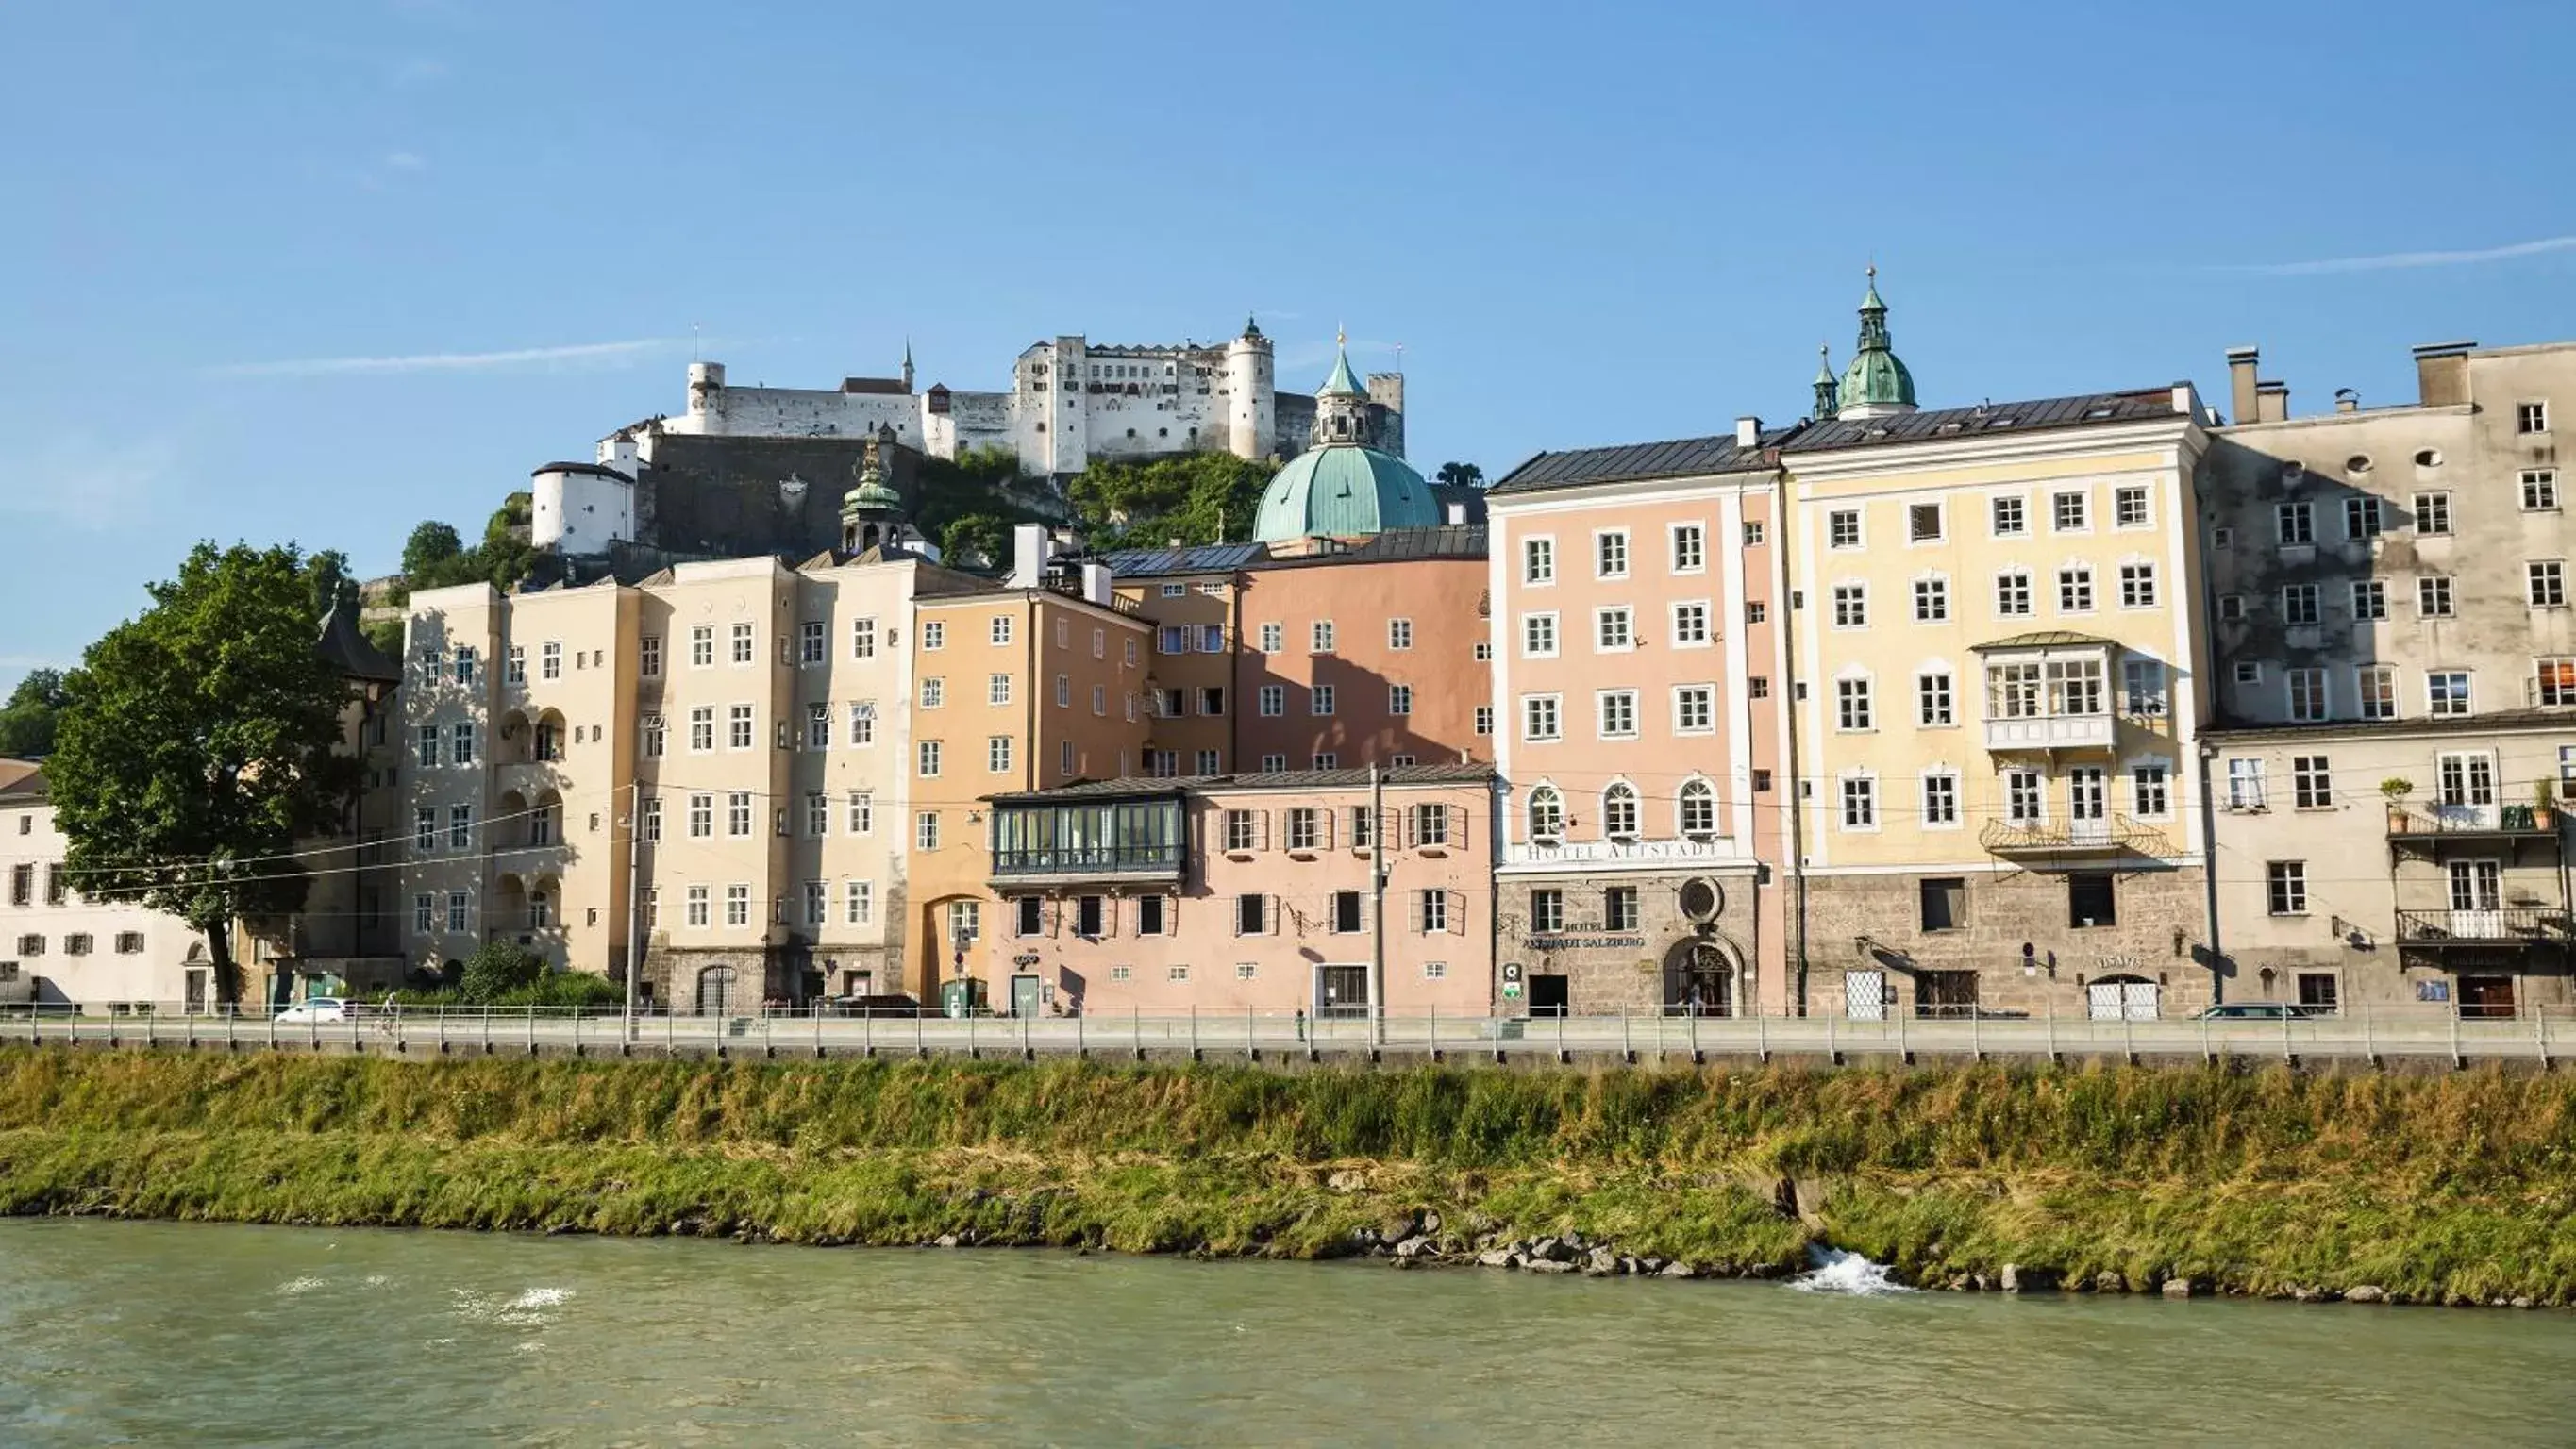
(1377, 907)
(634, 897)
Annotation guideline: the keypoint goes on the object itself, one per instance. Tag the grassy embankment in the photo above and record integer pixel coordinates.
(2458, 1187)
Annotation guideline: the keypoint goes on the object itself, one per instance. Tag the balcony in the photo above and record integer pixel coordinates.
(2110, 836)
(2051, 732)
(2483, 821)
(2511, 926)
(1041, 865)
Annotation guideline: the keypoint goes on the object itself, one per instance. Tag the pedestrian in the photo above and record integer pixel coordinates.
(1301, 1024)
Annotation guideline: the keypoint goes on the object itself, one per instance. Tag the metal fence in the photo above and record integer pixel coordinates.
(2362, 1034)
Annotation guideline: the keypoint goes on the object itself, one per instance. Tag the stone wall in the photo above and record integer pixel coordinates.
(1640, 971)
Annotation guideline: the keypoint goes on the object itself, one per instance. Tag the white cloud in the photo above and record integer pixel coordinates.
(86, 484)
(579, 352)
(2387, 261)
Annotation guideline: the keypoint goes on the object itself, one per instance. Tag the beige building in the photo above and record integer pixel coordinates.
(2388, 591)
(59, 949)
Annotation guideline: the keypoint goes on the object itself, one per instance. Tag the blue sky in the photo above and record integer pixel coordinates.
(321, 271)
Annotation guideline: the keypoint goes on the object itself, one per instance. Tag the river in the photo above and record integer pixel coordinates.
(154, 1333)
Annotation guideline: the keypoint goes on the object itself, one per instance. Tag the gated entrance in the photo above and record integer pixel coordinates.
(2113, 998)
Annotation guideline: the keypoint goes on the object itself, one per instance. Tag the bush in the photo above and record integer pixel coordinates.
(498, 968)
(565, 988)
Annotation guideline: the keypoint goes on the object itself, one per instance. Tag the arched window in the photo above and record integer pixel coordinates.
(1546, 814)
(540, 911)
(1698, 810)
(1619, 812)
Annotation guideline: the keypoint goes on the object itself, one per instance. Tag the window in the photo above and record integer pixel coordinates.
(1304, 833)
(1697, 810)
(1618, 714)
(460, 911)
(2222, 538)
(925, 830)
(2012, 593)
(2547, 580)
(1690, 548)
(2075, 590)
(2540, 489)
(2554, 681)
(1694, 709)
(2362, 517)
(698, 903)
(1000, 631)
(2311, 782)
(738, 732)
(2010, 517)
(2066, 513)
(1538, 636)
(1272, 764)
(737, 905)
(1484, 650)
(2150, 792)
(1547, 910)
(1619, 908)
(1940, 798)
(934, 692)
(1842, 528)
(429, 746)
(2025, 803)
(997, 754)
(1251, 915)
(460, 744)
(460, 827)
(1399, 633)
(2137, 586)
(2447, 691)
(1538, 560)
(424, 913)
(1150, 919)
(2369, 599)
(1944, 903)
(2375, 691)
(2142, 687)
(702, 645)
(2129, 507)
(1860, 803)
(2245, 784)
(424, 837)
(2433, 596)
(2531, 417)
(550, 660)
(1399, 699)
(742, 641)
(1272, 701)
(1172, 639)
(934, 634)
(1753, 534)
(1539, 720)
(1851, 606)
(2299, 605)
(1923, 523)
(2089, 901)
(1852, 705)
(1430, 912)
(1320, 637)
(514, 667)
(1274, 638)
(863, 722)
(652, 820)
(1619, 812)
(1610, 553)
(863, 813)
(1931, 600)
(1932, 703)
(2286, 886)
(1064, 691)
(1484, 719)
(1613, 628)
(2433, 513)
(2231, 607)
(1319, 700)
(738, 813)
(1546, 814)
(2294, 524)
(1430, 825)
(702, 816)
(858, 902)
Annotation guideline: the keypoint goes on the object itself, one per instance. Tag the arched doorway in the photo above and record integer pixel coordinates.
(715, 990)
(1700, 978)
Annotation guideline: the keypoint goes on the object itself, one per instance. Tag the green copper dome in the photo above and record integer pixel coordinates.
(1341, 491)
(1877, 380)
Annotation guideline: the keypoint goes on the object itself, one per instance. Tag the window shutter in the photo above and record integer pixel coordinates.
(1261, 829)
(1323, 829)
(1412, 830)
(1457, 913)
(1417, 915)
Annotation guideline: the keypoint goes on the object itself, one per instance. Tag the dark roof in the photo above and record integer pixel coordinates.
(2508, 719)
(1135, 787)
(596, 470)
(1447, 540)
(1205, 558)
(348, 651)
(1673, 458)
(875, 384)
(2087, 409)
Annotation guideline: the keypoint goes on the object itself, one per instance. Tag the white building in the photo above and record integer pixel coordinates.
(59, 948)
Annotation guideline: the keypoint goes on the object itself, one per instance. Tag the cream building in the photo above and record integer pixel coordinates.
(59, 949)
(1999, 687)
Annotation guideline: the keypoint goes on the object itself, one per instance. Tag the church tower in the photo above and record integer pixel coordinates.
(1876, 384)
(872, 513)
(1827, 390)
(1341, 404)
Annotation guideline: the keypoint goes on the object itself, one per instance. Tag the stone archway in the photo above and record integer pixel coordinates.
(1703, 976)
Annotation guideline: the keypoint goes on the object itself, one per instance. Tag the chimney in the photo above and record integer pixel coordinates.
(1095, 583)
(1030, 550)
(2442, 374)
(2347, 400)
(1748, 432)
(2241, 362)
(2271, 402)
(1455, 514)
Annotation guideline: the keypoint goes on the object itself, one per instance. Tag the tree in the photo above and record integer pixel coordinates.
(498, 968)
(431, 544)
(1194, 497)
(1460, 475)
(332, 587)
(984, 536)
(198, 743)
(27, 721)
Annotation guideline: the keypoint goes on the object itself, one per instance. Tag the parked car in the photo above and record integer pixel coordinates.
(2254, 1011)
(324, 1010)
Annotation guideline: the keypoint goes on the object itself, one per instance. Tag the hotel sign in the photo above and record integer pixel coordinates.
(1585, 943)
(1616, 852)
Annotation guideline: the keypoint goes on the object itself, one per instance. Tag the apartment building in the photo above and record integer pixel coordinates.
(58, 948)
(2387, 589)
(1999, 686)
(1636, 646)
(1242, 893)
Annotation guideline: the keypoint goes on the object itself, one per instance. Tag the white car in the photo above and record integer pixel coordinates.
(324, 1009)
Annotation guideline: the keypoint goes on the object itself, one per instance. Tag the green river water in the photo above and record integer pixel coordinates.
(149, 1333)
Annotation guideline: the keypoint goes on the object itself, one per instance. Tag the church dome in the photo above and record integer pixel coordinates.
(1340, 491)
(1877, 381)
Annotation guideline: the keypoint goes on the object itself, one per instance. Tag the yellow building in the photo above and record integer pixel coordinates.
(2000, 678)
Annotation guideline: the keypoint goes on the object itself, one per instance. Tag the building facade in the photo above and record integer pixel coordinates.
(58, 948)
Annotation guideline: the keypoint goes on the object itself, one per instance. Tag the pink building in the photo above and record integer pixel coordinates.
(1637, 638)
(1238, 892)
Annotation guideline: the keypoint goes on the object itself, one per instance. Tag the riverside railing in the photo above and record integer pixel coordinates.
(2373, 1035)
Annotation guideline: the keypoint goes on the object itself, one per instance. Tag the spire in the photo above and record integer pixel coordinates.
(1876, 383)
(1341, 404)
(1251, 328)
(1343, 381)
(1826, 389)
(907, 364)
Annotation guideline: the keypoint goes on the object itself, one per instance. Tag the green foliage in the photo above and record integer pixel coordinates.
(197, 744)
(385, 634)
(1194, 497)
(1460, 475)
(498, 968)
(965, 504)
(976, 540)
(430, 545)
(328, 573)
(436, 559)
(565, 988)
(27, 722)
